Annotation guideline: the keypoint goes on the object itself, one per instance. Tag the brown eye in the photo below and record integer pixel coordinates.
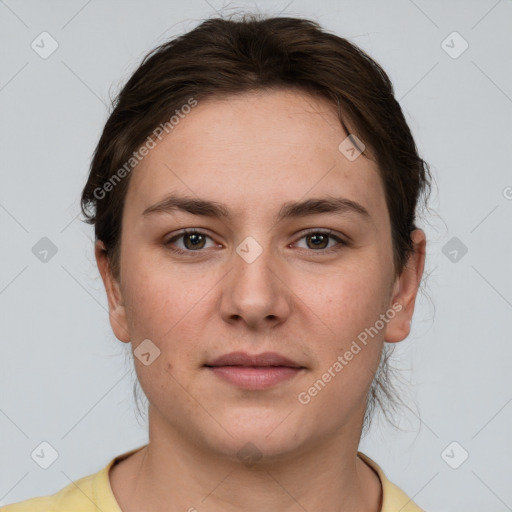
(192, 241)
(317, 241)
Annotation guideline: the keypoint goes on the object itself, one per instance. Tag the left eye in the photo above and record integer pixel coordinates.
(320, 238)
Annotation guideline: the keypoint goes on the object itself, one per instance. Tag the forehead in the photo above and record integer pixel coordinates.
(256, 149)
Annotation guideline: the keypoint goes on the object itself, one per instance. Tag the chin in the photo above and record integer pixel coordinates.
(259, 438)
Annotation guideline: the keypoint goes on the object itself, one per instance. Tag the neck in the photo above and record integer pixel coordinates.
(173, 474)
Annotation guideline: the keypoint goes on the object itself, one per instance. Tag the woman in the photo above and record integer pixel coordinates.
(254, 198)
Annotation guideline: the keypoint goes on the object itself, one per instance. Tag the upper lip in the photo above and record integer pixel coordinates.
(264, 359)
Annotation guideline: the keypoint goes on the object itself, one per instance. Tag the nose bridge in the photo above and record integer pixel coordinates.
(253, 265)
(255, 292)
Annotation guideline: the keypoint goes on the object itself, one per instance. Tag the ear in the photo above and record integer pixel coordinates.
(117, 312)
(405, 290)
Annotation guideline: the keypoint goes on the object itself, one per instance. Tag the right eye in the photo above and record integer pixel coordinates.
(193, 241)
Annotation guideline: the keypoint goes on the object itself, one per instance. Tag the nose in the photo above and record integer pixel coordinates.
(255, 291)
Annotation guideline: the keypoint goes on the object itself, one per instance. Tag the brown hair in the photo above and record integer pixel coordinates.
(222, 57)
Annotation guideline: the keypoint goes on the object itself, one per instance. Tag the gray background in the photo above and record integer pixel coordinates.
(64, 377)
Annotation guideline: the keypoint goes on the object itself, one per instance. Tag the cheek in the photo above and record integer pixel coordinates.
(348, 299)
(161, 309)
(348, 355)
(159, 301)
(347, 306)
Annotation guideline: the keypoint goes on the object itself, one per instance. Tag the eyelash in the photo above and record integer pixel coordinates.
(319, 252)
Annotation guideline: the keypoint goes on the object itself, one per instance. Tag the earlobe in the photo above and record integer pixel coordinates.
(117, 311)
(405, 290)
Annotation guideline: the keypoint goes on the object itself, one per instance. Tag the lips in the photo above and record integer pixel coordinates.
(254, 372)
(265, 360)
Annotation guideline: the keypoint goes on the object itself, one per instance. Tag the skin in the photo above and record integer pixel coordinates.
(253, 153)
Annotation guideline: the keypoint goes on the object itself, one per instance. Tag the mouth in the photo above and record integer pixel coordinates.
(257, 371)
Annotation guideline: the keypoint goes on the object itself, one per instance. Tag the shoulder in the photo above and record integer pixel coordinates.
(74, 496)
(88, 494)
(394, 499)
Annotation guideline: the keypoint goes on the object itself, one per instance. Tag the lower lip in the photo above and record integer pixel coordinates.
(248, 377)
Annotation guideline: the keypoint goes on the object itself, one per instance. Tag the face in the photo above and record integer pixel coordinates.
(290, 253)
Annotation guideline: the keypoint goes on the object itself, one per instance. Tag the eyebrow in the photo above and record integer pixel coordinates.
(291, 209)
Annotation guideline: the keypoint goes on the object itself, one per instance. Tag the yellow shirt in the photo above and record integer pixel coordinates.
(93, 493)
